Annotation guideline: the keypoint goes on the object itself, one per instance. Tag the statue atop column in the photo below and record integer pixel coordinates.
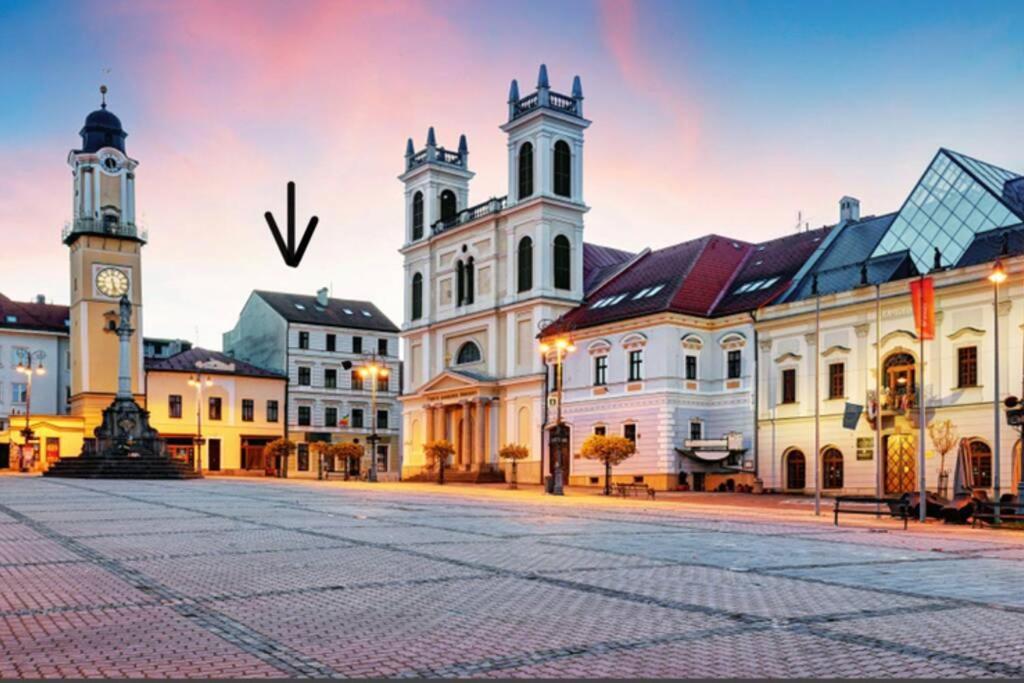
(124, 445)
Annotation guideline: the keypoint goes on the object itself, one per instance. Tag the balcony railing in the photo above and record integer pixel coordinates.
(557, 101)
(91, 226)
(442, 155)
(492, 205)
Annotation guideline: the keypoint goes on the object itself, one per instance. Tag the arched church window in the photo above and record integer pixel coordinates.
(468, 353)
(460, 283)
(470, 284)
(447, 205)
(525, 264)
(563, 169)
(417, 216)
(525, 170)
(563, 259)
(417, 296)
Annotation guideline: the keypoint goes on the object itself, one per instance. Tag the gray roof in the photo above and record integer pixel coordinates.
(350, 313)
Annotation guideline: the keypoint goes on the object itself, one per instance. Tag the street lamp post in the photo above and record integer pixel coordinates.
(30, 370)
(561, 347)
(199, 381)
(373, 370)
(996, 277)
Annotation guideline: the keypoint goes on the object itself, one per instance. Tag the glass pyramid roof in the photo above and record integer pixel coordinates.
(956, 198)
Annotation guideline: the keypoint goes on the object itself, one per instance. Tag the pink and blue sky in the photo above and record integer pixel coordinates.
(718, 116)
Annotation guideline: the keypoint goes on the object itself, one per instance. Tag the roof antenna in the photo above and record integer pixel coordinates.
(801, 223)
(103, 97)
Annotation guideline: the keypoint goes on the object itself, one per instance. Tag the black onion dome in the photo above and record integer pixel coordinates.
(102, 129)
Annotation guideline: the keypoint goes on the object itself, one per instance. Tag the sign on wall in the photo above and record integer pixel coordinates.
(852, 415)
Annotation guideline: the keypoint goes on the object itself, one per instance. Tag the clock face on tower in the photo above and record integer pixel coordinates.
(112, 282)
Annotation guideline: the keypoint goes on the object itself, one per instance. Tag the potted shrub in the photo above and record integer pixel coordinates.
(513, 452)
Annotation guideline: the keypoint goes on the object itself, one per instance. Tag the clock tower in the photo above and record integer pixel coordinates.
(105, 248)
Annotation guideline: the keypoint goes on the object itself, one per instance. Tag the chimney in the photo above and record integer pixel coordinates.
(321, 297)
(849, 210)
(40, 298)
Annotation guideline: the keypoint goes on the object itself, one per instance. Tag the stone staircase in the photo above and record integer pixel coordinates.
(94, 467)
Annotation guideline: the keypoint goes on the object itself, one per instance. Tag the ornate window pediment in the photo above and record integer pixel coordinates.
(835, 350)
(732, 340)
(692, 342)
(895, 334)
(599, 347)
(634, 341)
(967, 331)
(788, 357)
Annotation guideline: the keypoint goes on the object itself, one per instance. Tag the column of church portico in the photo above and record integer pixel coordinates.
(481, 425)
(492, 419)
(429, 410)
(465, 442)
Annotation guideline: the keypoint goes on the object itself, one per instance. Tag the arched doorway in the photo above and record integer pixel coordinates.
(560, 444)
(900, 464)
(796, 470)
(981, 463)
(831, 468)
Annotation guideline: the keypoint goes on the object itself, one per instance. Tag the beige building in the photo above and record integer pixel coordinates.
(238, 409)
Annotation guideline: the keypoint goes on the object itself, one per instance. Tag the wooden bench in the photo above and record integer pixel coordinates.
(333, 474)
(985, 512)
(634, 489)
(894, 507)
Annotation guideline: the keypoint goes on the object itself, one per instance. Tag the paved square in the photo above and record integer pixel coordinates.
(257, 578)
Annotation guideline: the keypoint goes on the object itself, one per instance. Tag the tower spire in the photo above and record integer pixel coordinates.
(103, 97)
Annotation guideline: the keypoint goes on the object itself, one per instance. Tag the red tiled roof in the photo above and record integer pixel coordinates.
(33, 316)
(779, 258)
(697, 277)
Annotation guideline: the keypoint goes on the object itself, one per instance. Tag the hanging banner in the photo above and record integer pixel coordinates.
(851, 415)
(922, 292)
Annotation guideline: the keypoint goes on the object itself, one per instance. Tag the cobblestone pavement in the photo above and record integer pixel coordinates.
(225, 578)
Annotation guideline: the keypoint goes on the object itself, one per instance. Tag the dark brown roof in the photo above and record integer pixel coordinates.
(599, 263)
(33, 316)
(301, 308)
(186, 362)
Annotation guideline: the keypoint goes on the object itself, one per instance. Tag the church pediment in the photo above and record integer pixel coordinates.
(451, 380)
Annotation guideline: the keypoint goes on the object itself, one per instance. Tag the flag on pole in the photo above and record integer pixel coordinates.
(922, 291)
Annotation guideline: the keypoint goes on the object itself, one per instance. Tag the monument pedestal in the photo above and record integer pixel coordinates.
(125, 447)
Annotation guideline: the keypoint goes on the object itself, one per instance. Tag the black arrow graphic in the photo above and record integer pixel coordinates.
(292, 256)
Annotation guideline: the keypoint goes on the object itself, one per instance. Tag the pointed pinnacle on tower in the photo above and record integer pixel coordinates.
(542, 77)
(431, 139)
(513, 91)
(409, 149)
(577, 88)
(463, 147)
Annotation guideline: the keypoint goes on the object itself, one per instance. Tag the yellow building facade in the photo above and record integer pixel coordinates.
(235, 407)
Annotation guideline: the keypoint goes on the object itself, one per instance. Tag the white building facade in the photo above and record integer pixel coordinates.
(864, 351)
(320, 343)
(482, 280)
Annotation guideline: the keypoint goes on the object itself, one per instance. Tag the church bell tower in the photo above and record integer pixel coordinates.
(105, 246)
